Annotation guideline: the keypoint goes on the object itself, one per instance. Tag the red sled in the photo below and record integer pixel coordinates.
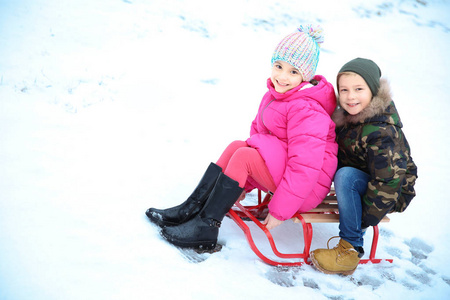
(326, 212)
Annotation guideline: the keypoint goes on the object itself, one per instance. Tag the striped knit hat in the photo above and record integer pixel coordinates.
(301, 49)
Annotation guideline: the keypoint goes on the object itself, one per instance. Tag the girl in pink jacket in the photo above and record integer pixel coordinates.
(291, 151)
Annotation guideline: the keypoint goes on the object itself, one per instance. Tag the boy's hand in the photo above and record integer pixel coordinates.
(271, 222)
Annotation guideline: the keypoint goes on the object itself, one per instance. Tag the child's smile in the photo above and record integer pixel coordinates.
(354, 93)
(285, 77)
(352, 104)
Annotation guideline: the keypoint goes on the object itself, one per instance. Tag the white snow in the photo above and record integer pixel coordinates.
(109, 107)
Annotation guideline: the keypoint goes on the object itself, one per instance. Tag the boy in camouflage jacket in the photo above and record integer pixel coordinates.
(376, 173)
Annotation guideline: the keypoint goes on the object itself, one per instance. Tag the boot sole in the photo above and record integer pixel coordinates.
(198, 245)
(318, 267)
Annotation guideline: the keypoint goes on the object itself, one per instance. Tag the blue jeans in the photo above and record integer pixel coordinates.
(350, 185)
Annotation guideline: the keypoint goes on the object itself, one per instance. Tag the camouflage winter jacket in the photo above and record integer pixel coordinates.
(373, 141)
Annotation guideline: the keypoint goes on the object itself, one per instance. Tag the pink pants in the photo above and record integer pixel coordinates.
(239, 161)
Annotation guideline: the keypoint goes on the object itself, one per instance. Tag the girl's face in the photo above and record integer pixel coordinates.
(354, 93)
(285, 77)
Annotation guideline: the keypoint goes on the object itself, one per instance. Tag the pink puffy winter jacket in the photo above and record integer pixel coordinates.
(295, 135)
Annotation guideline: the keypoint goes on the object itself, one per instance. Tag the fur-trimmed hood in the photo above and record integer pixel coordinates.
(381, 109)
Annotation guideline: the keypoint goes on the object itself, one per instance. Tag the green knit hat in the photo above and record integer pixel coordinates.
(367, 69)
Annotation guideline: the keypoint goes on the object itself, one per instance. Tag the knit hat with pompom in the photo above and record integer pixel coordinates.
(301, 49)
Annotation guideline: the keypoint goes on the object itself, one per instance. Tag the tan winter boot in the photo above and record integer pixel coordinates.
(342, 259)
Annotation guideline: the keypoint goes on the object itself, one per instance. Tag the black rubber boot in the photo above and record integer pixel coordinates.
(201, 232)
(191, 207)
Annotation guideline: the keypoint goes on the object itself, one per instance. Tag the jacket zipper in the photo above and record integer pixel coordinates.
(262, 115)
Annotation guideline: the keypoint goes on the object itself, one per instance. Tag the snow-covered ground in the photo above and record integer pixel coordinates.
(109, 107)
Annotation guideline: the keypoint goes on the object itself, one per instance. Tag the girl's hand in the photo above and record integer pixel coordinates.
(242, 196)
(271, 222)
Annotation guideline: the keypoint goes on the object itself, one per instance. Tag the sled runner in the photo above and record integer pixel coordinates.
(326, 212)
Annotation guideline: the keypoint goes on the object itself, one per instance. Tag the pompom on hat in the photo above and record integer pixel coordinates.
(301, 49)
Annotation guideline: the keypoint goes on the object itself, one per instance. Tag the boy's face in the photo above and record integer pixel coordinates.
(285, 77)
(354, 93)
